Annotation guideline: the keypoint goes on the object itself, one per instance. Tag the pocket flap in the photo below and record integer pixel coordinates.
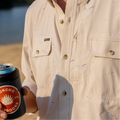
(41, 48)
(105, 48)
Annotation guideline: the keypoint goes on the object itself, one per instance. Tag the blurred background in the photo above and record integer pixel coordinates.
(12, 17)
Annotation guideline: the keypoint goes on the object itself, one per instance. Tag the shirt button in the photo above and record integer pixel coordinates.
(65, 57)
(61, 21)
(111, 52)
(37, 51)
(64, 93)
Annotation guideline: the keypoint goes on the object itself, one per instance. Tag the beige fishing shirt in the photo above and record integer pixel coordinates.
(71, 60)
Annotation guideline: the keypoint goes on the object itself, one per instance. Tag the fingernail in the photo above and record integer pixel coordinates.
(3, 115)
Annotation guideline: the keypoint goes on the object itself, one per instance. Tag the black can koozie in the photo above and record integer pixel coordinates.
(11, 96)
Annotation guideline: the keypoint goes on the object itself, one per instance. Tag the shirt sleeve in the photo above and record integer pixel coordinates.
(27, 60)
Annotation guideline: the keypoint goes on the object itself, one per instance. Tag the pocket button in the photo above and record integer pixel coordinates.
(111, 52)
(37, 51)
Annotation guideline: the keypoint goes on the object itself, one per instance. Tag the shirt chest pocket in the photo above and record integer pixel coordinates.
(41, 48)
(42, 54)
(104, 69)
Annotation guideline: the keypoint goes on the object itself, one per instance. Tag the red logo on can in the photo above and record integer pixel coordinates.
(10, 98)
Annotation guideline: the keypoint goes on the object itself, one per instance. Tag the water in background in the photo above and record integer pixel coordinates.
(12, 25)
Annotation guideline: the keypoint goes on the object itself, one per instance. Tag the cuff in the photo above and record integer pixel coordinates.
(32, 87)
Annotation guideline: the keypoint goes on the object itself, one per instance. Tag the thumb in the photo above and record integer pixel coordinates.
(25, 90)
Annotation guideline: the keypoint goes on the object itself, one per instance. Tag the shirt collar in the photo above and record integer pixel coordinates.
(51, 2)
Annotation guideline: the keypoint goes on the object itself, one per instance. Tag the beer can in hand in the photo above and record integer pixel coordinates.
(11, 96)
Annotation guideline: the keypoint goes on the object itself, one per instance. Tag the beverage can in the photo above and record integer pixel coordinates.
(11, 96)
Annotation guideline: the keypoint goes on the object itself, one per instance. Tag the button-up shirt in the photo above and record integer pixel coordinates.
(71, 60)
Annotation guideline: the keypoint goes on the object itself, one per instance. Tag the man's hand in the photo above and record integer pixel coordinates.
(3, 114)
(30, 100)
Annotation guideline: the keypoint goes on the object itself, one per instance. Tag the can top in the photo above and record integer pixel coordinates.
(8, 73)
(5, 66)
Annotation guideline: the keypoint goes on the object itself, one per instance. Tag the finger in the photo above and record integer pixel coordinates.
(3, 114)
(25, 90)
(0, 106)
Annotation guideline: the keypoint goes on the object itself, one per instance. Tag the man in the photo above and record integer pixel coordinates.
(71, 59)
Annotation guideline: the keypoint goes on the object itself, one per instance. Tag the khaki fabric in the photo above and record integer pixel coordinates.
(71, 60)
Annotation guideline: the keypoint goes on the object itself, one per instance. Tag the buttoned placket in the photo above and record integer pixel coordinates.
(59, 17)
(65, 24)
(65, 91)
